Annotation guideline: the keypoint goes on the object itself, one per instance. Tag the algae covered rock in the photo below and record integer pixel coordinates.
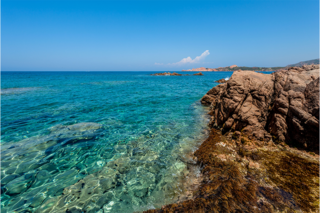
(269, 178)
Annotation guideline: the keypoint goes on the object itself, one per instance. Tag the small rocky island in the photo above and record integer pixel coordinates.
(174, 74)
(262, 151)
(221, 80)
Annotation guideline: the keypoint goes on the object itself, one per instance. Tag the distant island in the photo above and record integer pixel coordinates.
(235, 67)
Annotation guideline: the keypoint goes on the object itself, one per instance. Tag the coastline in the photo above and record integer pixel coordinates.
(234, 166)
(245, 173)
(162, 119)
(233, 183)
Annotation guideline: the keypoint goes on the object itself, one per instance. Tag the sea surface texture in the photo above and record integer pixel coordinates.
(99, 141)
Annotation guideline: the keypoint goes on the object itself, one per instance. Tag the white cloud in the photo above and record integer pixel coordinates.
(195, 60)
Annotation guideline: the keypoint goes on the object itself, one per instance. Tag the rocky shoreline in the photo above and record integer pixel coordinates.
(262, 152)
(173, 74)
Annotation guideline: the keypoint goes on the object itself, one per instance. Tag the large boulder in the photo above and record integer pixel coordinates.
(284, 105)
(295, 111)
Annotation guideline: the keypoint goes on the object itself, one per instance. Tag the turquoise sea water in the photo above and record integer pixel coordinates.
(99, 141)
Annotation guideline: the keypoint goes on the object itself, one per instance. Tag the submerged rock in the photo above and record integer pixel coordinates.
(80, 127)
(20, 184)
(58, 134)
(35, 154)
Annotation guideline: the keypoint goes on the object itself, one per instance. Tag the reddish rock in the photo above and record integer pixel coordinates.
(295, 114)
(285, 104)
(221, 81)
(167, 73)
(200, 73)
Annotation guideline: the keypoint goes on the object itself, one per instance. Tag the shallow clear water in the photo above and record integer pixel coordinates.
(98, 141)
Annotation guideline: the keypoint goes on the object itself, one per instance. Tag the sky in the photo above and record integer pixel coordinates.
(133, 35)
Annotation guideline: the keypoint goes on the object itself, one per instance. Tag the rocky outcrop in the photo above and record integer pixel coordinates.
(283, 106)
(200, 73)
(167, 74)
(242, 175)
(243, 169)
(221, 81)
(173, 74)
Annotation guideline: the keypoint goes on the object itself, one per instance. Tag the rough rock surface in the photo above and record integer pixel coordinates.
(242, 175)
(283, 106)
(243, 169)
(200, 73)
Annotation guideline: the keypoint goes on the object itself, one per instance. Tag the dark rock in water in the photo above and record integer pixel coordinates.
(42, 175)
(221, 81)
(200, 73)
(15, 176)
(37, 200)
(167, 74)
(85, 126)
(20, 184)
(8, 178)
(59, 134)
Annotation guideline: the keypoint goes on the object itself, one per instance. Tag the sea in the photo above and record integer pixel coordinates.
(100, 141)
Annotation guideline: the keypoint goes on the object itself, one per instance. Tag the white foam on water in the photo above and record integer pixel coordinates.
(17, 90)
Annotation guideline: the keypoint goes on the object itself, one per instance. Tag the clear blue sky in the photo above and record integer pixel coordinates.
(75, 35)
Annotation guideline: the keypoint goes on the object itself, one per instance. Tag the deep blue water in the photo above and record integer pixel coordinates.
(99, 141)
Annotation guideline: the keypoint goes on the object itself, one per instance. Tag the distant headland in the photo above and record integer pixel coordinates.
(235, 67)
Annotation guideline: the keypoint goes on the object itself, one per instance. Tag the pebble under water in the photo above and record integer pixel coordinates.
(99, 141)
